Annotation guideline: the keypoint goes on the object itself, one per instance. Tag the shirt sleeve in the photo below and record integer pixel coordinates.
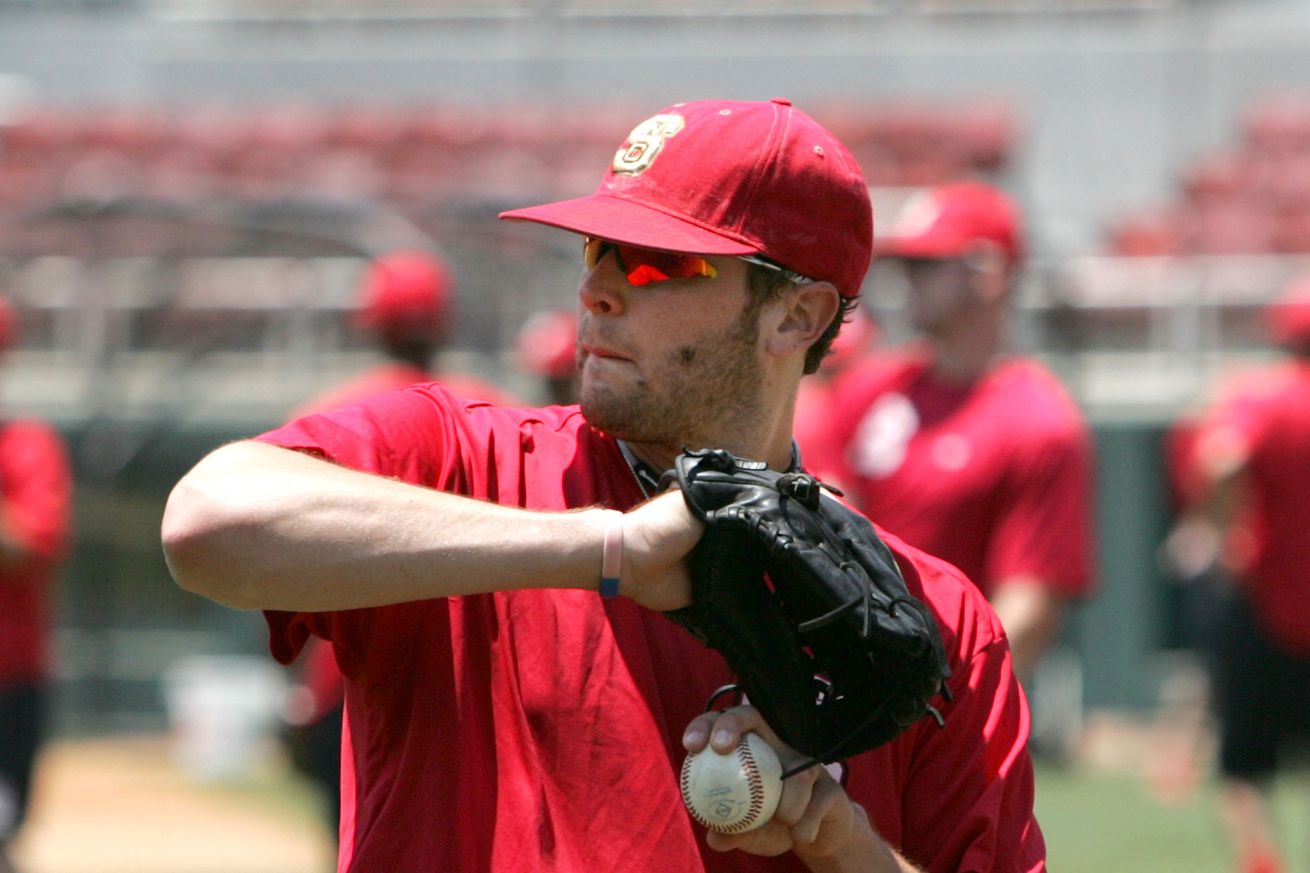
(36, 486)
(1226, 436)
(401, 434)
(969, 793)
(398, 434)
(1043, 527)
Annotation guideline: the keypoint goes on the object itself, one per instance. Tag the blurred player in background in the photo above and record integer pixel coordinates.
(35, 507)
(312, 728)
(969, 452)
(546, 346)
(405, 304)
(500, 714)
(1250, 455)
(1190, 558)
(814, 398)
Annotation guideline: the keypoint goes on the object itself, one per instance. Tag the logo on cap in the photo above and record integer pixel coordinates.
(645, 142)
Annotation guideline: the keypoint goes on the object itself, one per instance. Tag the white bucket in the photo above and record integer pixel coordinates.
(223, 711)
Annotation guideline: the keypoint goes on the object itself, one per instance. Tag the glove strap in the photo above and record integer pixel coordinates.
(611, 560)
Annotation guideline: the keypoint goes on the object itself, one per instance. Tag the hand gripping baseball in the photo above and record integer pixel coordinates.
(807, 606)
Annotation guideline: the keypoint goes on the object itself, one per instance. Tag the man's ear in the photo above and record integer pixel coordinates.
(805, 314)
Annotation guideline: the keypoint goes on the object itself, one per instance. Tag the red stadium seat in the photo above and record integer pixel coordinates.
(137, 132)
(989, 134)
(1228, 176)
(1293, 234)
(1279, 123)
(1231, 229)
(1147, 234)
(372, 128)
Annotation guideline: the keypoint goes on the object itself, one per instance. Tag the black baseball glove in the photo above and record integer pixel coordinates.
(806, 604)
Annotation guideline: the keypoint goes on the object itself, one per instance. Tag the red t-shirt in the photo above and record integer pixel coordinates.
(540, 730)
(1262, 423)
(36, 487)
(994, 476)
(392, 377)
(319, 672)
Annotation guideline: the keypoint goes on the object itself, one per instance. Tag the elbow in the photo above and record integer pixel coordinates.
(186, 538)
(200, 531)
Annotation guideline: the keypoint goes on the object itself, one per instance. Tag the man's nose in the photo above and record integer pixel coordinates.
(603, 291)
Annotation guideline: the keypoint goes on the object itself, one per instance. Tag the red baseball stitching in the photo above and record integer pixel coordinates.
(754, 784)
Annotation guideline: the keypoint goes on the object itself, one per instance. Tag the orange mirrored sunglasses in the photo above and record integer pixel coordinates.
(644, 266)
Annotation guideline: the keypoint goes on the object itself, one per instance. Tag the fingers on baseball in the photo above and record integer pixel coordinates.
(807, 801)
(697, 733)
(734, 721)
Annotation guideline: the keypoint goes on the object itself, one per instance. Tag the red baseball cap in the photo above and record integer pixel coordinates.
(720, 177)
(546, 344)
(953, 220)
(1288, 316)
(405, 290)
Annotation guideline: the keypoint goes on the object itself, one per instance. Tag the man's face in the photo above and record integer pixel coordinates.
(940, 290)
(671, 362)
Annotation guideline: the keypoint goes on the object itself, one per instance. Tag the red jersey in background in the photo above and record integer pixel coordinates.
(994, 476)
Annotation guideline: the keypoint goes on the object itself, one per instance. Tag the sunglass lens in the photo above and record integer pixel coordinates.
(647, 265)
(593, 249)
(644, 266)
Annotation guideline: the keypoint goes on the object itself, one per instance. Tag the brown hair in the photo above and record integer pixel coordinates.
(766, 284)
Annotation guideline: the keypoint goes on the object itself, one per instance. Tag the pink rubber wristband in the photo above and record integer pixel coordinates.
(611, 559)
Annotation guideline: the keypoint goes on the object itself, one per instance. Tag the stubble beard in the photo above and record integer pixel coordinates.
(696, 396)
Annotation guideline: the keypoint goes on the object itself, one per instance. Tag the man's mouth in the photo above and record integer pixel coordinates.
(600, 351)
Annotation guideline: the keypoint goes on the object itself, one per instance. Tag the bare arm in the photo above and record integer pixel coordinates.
(1229, 497)
(815, 818)
(255, 526)
(1031, 614)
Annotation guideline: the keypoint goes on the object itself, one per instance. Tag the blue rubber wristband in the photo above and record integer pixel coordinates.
(611, 563)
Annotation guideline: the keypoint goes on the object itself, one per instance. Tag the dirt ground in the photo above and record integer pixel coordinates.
(123, 806)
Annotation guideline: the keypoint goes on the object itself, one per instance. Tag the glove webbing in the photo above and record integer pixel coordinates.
(828, 755)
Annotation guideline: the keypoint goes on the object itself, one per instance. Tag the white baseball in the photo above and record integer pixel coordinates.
(736, 792)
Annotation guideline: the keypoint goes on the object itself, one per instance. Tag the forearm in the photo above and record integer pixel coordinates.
(1031, 614)
(864, 851)
(257, 526)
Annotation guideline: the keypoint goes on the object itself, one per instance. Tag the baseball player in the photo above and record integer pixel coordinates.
(505, 710)
(405, 304)
(975, 455)
(35, 498)
(546, 346)
(1251, 455)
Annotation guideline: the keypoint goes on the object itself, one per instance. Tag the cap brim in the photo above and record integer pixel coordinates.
(626, 221)
(918, 247)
